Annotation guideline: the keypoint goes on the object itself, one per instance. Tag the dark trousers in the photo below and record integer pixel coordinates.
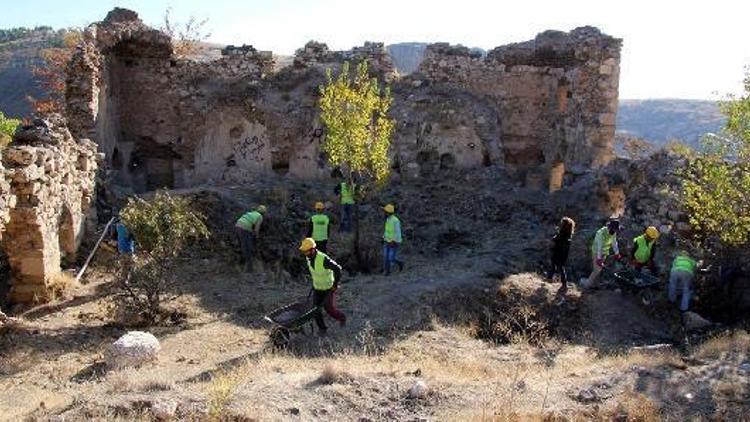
(322, 245)
(559, 268)
(326, 299)
(650, 265)
(346, 218)
(390, 257)
(247, 239)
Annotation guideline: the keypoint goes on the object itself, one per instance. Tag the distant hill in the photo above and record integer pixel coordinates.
(659, 121)
(19, 53)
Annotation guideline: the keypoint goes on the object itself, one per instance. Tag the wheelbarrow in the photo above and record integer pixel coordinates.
(290, 319)
(640, 283)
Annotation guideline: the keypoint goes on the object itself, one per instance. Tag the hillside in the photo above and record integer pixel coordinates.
(661, 120)
(19, 52)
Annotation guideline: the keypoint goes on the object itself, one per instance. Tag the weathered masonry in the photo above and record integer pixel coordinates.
(539, 108)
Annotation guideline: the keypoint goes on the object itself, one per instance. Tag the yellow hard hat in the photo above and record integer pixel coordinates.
(307, 244)
(320, 206)
(390, 209)
(262, 209)
(652, 232)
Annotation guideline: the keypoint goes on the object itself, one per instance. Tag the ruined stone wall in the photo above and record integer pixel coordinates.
(539, 108)
(50, 177)
(556, 96)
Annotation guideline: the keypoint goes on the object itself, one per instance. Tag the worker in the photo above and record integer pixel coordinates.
(326, 275)
(681, 276)
(391, 239)
(644, 248)
(125, 240)
(346, 192)
(560, 250)
(247, 228)
(604, 241)
(318, 227)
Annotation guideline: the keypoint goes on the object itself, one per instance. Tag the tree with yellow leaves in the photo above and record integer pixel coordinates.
(354, 111)
(716, 181)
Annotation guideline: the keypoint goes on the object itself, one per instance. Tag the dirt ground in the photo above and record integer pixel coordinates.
(575, 359)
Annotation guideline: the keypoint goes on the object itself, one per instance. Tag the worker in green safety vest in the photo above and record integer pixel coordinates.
(604, 241)
(391, 240)
(681, 277)
(644, 249)
(346, 193)
(326, 275)
(247, 228)
(318, 227)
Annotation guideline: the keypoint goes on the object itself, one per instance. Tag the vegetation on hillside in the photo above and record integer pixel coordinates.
(7, 129)
(716, 185)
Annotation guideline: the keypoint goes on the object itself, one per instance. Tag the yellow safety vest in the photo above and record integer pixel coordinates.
(248, 220)
(320, 227)
(322, 277)
(643, 248)
(389, 234)
(685, 264)
(347, 195)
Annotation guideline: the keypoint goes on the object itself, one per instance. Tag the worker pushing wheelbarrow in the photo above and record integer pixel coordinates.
(326, 274)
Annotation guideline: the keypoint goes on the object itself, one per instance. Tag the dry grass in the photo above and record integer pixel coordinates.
(717, 347)
(60, 287)
(333, 374)
(221, 390)
(134, 380)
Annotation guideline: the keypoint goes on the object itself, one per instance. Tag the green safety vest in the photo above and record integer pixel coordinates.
(322, 277)
(643, 248)
(607, 240)
(684, 263)
(320, 227)
(249, 220)
(347, 195)
(389, 235)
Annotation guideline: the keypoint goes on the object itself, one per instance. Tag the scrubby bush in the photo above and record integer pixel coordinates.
(7, 129)
(716, 181)
(162, 228)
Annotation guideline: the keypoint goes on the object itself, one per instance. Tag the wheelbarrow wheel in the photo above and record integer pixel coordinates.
(280, 338)
(647, 297)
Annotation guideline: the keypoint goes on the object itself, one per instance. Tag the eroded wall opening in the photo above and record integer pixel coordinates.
(138, 122)
(556, 176)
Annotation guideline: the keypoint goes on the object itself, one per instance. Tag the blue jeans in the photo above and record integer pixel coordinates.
(390, 257)
(685, 281)
(247, 238)
(346, 218)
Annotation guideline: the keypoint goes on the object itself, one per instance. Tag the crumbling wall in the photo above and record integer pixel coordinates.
(50, 177)
(539, 108)
(556, 95)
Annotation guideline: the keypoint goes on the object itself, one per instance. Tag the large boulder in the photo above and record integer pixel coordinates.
(132, 350)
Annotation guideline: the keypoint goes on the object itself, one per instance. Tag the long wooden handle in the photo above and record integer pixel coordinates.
(96, 247)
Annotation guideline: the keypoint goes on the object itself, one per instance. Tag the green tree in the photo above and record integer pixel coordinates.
(716, 181)
(162, 228)
(7, 129)
(354, 111)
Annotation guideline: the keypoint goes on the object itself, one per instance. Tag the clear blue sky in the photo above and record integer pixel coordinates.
(678, 49)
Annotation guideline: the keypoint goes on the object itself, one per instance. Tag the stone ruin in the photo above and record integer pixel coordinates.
(46, 190)
(541, 109)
